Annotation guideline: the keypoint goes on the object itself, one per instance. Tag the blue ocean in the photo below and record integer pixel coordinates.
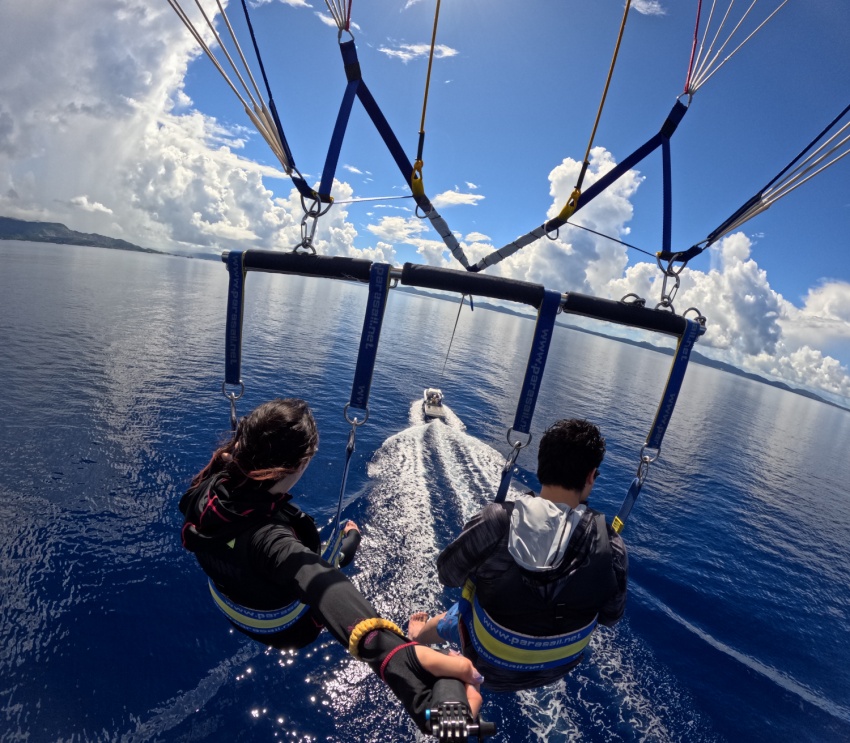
(111, 365)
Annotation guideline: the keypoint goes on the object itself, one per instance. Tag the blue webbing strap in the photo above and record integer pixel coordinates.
(658, 140)
(662, 417)
(357, 87)
(233, 332)
(671, 122)
(332, 158)
(379, 289)
(543, 331)
(667, 178)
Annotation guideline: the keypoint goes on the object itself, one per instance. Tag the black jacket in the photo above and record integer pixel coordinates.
(591, 579)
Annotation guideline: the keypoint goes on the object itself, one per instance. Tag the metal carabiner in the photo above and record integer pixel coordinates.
(233, 397)
(355, 422)
(517, 444)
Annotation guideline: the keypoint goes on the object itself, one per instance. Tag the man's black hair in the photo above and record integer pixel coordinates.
(569, 450)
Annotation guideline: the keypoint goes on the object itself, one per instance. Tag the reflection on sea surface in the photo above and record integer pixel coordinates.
(112, 366)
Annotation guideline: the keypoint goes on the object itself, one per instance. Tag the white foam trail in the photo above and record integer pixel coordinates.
(183, 706)
(776, 676)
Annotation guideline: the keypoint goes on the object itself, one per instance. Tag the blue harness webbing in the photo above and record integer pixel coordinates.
(514, 651)
(379, 289)
(235, 307)
(662, 416)
(357, 87)
(543, 331)
(660, 139)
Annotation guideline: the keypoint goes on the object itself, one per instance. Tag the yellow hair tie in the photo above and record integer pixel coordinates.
(364, 628)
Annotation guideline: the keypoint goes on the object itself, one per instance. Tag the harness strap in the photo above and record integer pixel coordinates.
(656, 433)
(379, 289)
(653, 143)
(543, 331)
(235, 307)
(514, 651)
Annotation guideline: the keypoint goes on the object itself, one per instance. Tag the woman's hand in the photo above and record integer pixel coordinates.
(349, 525)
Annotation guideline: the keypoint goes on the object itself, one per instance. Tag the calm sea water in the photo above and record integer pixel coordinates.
(111, 366)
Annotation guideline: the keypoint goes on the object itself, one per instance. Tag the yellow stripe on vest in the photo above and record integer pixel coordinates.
(515, 652)
(248, 621)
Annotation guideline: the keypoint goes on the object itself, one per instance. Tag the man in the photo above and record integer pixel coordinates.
(538, 573)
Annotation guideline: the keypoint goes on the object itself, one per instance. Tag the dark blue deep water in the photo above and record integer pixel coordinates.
(111, 366)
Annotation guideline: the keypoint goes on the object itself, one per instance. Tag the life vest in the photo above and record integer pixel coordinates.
(566, 606)
(514, 651)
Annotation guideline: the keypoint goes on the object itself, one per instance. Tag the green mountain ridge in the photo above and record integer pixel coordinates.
(55, 232)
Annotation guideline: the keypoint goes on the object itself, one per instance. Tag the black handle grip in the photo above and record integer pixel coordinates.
(450, 717)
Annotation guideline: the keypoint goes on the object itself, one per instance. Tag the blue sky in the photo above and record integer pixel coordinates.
(111, 122)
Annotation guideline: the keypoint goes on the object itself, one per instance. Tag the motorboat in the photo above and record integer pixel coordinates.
(432, 403)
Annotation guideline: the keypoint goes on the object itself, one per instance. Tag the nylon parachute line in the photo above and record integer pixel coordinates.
(826, 149)
(661, 139)
(708, 60)
(572, 202)
(242, 83)
(341, 13)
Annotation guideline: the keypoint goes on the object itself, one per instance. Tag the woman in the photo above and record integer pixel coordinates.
(261, 554)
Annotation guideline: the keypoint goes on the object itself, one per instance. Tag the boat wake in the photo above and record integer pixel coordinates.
(425, 483)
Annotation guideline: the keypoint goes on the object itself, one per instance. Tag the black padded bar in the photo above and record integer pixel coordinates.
(305, 264)
(624, 313)
(476, 284)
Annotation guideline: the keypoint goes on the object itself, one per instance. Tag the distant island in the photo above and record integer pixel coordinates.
(54, 232)
(696, 356)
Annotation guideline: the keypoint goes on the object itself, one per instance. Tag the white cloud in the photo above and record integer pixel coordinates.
(455, 198)
(352, 169)
(407, 52)
(326, 18)
(649, 7)
(83, 202)
(398, 229)
(165, 176)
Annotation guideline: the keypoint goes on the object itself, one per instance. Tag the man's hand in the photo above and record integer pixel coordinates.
(453, 666)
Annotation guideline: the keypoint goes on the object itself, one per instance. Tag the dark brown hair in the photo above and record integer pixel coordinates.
(272, 441)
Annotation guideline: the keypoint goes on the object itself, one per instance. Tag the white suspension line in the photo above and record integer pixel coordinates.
(258, 113)
(239, 50)
(339, 12)
(225, 52)
(707, 69)
(801, 175)
(702, 61)
(804, 172)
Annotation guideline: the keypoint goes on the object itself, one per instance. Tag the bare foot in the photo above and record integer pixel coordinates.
(416, 624)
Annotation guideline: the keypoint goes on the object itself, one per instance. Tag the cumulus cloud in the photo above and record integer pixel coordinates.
(83, 202)
(407, 52)
(109, 84)
(749, 324)
(649, 7)
(454, 198)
